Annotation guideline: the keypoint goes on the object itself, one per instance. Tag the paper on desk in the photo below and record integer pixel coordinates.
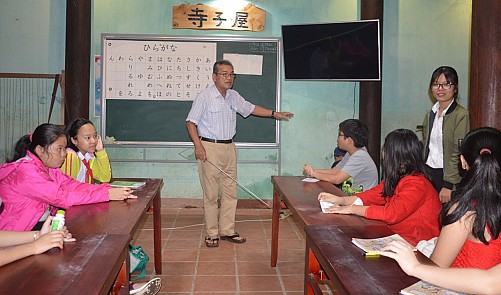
(325, 205)
(129, 184)
(310, 179)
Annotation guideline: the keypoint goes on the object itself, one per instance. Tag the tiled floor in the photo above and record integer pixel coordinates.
(189, 267)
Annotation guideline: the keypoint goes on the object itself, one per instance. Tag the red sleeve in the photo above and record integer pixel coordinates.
(373, 196)
(402, 204)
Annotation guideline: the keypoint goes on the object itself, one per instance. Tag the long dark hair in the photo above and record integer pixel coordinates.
(480, 189)
(44, 135)
(402, 156)
(72, 131)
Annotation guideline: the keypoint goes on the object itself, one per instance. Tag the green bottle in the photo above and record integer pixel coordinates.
(58, 220)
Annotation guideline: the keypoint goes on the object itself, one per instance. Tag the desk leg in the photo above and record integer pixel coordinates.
(274, 228)
(122, 281)
(121, 284)
(314, 266)
(312, 274)
(157, 234)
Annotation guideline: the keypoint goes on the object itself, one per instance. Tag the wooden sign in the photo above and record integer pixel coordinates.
(202, 17)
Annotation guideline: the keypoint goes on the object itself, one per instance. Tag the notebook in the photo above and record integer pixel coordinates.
(130, 184)
(375, 245)
(424, 288)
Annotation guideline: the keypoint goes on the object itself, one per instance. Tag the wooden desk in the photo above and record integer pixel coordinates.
(346, 267)
(89, 266)
(302, 200)
(121, 217)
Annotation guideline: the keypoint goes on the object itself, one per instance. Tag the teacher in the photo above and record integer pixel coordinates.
(211, 126)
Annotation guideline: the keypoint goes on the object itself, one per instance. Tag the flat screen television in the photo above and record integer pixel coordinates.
(340, 51)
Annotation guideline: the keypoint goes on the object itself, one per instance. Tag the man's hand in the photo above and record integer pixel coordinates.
(286, 116)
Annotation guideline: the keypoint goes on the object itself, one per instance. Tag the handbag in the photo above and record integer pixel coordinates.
(138, 260)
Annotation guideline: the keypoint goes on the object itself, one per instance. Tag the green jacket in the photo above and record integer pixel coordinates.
(455, 126)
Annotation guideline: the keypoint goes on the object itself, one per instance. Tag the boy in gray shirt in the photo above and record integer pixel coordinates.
(357, 165)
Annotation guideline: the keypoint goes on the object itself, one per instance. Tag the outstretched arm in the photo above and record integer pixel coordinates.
(263, 112)
(469, 280)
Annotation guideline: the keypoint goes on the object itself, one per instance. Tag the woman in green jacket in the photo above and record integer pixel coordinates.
(443, 127)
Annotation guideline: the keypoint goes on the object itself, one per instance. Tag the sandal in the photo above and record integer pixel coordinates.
(211, 242)
(234, 238)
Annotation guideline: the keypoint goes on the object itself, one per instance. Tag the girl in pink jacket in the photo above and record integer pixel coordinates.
(32, 185)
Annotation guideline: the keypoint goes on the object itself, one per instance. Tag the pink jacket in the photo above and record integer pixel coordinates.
(27, 189)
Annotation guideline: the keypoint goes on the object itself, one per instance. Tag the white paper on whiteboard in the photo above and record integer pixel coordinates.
(245, 64)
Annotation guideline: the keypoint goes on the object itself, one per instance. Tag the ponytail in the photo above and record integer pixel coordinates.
(20, 148)
(480, 189)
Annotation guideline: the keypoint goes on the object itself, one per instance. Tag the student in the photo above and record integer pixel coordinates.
(338, 156)
(86, 158)
(469, 280)
(443, 127)
(87, 161)
(211, 125)
(471, 221)
(17, 245)
(356, 166)
(405, 199)
(32, 184)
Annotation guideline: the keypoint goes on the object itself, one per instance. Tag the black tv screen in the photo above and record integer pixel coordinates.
(345, 51)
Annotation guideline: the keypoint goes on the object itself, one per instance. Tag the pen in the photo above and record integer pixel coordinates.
(372, 254)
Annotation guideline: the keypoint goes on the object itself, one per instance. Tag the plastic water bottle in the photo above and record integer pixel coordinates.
(58, 221)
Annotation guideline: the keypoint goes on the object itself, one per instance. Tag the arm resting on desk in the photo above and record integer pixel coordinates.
(27, 243)
(469, 280)
(333, 175)
(345, 205)
(40, 245)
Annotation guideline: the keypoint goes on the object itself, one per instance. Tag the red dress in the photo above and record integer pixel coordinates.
(413, 210)
(478, 255)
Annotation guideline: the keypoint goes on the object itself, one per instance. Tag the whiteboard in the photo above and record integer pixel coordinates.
(158, 70)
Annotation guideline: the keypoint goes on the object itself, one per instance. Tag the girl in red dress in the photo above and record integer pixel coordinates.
(405, 199)
(471, 221)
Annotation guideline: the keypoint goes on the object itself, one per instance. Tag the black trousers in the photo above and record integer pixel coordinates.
(436, 177)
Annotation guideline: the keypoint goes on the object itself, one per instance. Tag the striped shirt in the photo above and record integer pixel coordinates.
(215, 115)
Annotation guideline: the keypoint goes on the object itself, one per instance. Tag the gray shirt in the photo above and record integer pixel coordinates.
(361, 167)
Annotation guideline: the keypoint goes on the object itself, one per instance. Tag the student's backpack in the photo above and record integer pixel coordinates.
(138, 260)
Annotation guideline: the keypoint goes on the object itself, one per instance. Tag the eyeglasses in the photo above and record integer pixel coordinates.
(227, 75)
(445, 86)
